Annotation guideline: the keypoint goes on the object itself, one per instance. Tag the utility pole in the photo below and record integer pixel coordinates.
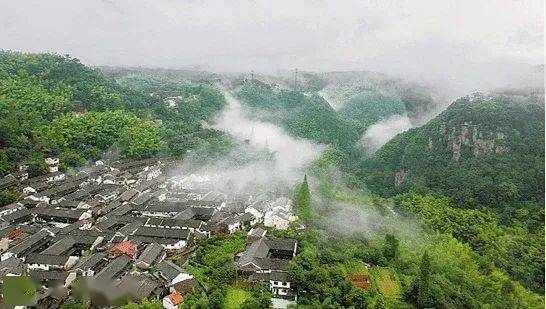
(296, 79)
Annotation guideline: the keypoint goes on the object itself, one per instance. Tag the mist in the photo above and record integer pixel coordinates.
(460, 46)
(380, 133)
(370, 222)
(280, 165)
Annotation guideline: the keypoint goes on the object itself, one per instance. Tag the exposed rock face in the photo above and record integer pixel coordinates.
(399, 177)
(479, 141)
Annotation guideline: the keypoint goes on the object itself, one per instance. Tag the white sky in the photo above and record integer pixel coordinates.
(434, 39)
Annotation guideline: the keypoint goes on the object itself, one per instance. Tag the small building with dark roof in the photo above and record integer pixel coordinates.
(152, 254)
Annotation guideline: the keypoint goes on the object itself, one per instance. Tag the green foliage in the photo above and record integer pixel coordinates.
(451, 276)
(37, 166)
(73, 304)
(141, 140)
(8, 196)
(237, 297)
(260, 298)
(183, 124)
(5, 164)
(425, 296)
(311, 82)
(89, 134)
(501, 154)
(303, 201)
(319, 269)
(39, 92)
(370, 106)
(72, 159)
(516, 250)
(390, 250)
(213, 264)
(88, 85)
(302, 116)
(144, 304)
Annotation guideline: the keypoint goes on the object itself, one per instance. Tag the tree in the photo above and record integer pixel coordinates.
(73, 304)
(425, 297)
(8, 196)
(216, 299)
(72, 158)
(144, 304)
(303, 201)
(390, 250)
(141, 140)
(37, 166)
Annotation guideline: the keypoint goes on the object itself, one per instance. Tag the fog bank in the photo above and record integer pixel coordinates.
(278, 164)
(380, 133)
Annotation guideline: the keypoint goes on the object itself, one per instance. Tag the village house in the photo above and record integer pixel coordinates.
(172, 301)
(39, 261)
(151, 255)
(53, 164)
(34, 243)
(89, 265)
(266, 260)
(176, 278)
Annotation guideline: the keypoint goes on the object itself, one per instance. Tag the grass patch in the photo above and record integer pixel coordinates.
(386, 281)
(215, 253)
(353, 267)
(235, 297)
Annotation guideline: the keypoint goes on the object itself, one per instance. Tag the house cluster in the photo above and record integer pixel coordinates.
(115, 227)
(266, 260)
(267, 209)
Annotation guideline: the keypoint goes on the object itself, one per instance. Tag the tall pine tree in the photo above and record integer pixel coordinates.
(303, 201)
(425, 296)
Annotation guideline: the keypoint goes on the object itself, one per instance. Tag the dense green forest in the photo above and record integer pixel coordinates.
(477, 172)
(52, 105)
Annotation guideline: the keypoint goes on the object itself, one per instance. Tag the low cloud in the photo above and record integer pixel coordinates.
(279, 161)
(371, 221)
(380, 133)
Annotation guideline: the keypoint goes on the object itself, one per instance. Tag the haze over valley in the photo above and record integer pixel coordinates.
(247, 154)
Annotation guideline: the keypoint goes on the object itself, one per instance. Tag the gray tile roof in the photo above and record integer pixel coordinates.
(179, 234)
(29, 242)
(47, 259)
(168, 270)
(91, 262)
(150, 255)
(115, 268)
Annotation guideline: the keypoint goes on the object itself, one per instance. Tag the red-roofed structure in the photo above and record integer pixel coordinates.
(124, 247)
(14, 234)
(176, 298)
(360, 280)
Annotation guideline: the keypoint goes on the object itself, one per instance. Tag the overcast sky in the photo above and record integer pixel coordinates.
(433, 39)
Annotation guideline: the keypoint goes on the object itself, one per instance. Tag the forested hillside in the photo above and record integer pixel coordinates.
(53, 105)
(481, 150)
(469, 250)
(305, 116)
(485, 155)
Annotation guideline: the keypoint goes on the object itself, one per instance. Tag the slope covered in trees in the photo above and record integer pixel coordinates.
(304, 116)
(476, 172)
(480, 151)
(52, 105)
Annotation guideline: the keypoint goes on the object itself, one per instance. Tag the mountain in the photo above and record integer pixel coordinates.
(482, 150)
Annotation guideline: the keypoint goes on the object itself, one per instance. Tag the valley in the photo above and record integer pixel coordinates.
(339, 190)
